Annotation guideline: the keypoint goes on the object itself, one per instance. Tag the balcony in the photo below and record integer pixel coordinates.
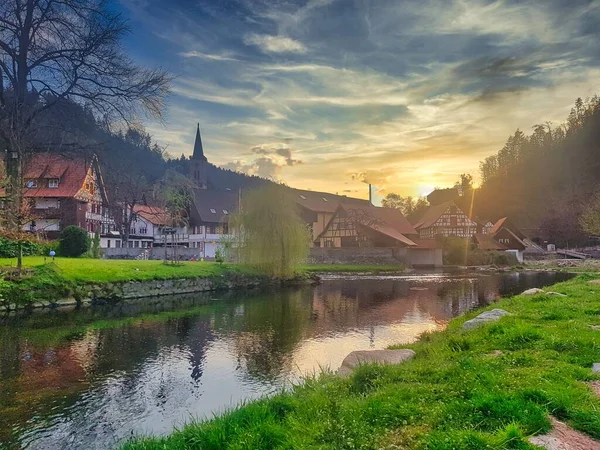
(171, 238)
(47, 213)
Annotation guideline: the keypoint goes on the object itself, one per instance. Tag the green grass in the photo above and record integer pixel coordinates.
(455, 394)
(107, 270)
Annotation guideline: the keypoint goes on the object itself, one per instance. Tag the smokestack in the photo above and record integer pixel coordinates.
(370, 196)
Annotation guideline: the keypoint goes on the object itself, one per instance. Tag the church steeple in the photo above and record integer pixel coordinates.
(198, 150)
(198, 163)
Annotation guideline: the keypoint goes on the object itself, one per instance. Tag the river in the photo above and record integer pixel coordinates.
(89, 378)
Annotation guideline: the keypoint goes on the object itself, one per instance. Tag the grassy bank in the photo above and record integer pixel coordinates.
(47, 280)
(490, 388)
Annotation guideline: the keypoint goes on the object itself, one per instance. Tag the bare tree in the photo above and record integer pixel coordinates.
(174, 193)
(55, 50)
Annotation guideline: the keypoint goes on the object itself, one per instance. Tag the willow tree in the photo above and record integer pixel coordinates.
(268, 233)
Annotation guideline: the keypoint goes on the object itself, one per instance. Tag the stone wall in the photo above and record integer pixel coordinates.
(156, 288)
(376, 256)
(158, 253)
(358, 255)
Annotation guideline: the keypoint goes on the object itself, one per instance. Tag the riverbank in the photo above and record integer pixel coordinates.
(490, 387)
(66, 281)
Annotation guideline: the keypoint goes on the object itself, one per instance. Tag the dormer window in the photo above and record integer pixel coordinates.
(214, 211)
(302, 197)
(225, 212)
(324, 199)
(31, 184)
(53, 183)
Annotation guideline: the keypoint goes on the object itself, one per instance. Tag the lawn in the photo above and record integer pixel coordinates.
(106, 270)
(487, 388)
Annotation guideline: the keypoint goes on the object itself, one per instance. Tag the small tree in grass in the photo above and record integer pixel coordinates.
(268, 234)
(74, 242)
(96, 245)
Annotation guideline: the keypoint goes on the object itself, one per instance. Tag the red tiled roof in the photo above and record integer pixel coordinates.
(487, 242)
(388, 221)
(496, 227)
(153, 214)
(71, 172)
(426, 243)
(432, 214)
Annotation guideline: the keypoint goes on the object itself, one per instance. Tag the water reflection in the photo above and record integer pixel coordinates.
(82, 386)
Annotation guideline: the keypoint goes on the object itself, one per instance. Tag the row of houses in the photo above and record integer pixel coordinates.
(67, 190)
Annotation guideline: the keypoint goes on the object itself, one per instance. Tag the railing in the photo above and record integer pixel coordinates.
(47, 213)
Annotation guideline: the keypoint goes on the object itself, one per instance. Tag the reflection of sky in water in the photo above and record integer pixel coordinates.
(150, 377)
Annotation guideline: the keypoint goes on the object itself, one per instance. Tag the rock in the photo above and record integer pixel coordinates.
(484, 317)
(595, 385)
(596, 367)
(495, 353)
(355, 359)
(556, 294)
(595, 327)
(563, 437)
(533, 291)
(594, 281)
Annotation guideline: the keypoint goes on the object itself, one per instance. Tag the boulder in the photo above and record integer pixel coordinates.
(484, 317)
(596, 367)
(356, 358)
(533, 291)
(556, 294)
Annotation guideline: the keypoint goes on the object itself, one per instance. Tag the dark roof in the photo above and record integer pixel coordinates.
(432, 214)
(205, 201)
(323, 201)
(388, 221)
(487, 242)
(198, 149)
(506, 223)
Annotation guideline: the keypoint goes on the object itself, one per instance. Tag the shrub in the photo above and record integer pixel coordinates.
(95, 252)
(74, 242)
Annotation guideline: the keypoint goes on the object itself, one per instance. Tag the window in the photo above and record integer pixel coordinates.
(324, 199)
(302, 197)
(118, 243)
(108, 243)
(143, 230)
(214, 211)
(31, 183)
(225, 212)
(53, 183)
(328, 243)
(132, 231)
(136, 244)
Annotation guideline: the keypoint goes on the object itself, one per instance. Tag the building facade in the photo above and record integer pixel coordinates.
(65, 190)
(445, 219)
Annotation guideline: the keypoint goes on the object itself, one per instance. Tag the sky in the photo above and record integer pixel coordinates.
(332, 94)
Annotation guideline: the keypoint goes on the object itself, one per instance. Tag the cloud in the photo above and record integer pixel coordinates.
(406, 94)
(275, 44)
(208, 56)
(273, 157)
